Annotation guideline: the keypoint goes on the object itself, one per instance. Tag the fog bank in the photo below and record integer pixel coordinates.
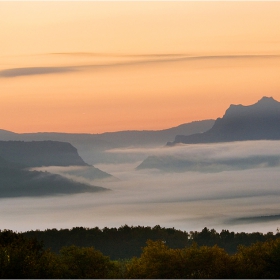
(239, 200)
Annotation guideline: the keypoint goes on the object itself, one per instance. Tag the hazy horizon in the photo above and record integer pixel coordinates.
(159, 129)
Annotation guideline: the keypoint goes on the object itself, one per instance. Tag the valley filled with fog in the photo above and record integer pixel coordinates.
(236, 188)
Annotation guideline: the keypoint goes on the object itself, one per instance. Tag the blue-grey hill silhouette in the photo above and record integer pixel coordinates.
(16, 181)
(40, 153)
(260, 121)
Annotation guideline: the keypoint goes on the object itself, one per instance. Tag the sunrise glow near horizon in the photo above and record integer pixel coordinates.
(93, 67)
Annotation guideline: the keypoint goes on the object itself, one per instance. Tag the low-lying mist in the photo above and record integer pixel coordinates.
(240, 200)
(83, 174)
(209, 157)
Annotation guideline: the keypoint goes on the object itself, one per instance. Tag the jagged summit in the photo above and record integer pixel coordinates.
(266, 99)
(259, 121)
(265, 105)
(263, 102)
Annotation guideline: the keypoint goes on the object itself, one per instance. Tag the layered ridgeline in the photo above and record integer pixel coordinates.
(16, 180)
(93, 147)
(260, 121)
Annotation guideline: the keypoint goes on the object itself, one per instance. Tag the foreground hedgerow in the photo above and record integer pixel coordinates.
(21, 257)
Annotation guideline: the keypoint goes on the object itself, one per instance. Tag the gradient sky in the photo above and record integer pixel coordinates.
(107, 66)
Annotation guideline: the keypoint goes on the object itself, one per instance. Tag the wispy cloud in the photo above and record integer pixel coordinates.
(31, 71)
(119, 55)
(152, 59)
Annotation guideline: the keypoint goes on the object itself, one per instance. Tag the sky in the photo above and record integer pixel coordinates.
(93, 66)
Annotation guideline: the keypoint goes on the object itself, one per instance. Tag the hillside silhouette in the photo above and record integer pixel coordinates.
(15, 181)
(40, 153)
(259, 121)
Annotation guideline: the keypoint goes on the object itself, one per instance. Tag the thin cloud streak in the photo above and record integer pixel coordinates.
(32, 71)
(118, 55)
(159, 59)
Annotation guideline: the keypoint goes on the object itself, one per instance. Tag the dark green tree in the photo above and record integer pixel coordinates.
(86, 263)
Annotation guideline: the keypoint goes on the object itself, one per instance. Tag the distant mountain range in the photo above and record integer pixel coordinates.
(92, 147)
(260, 121)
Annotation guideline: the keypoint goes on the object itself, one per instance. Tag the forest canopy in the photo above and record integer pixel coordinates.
(195, 255)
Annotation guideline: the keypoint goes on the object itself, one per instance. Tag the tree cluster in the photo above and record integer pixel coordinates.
(22, 257)
(261, 260)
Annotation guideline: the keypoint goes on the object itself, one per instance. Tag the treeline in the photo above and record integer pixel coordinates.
(22, 257)
(126, 242)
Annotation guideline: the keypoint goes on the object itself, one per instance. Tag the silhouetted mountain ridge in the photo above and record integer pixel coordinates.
(260, 121)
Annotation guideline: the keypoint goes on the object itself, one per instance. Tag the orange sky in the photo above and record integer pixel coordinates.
(106, 66)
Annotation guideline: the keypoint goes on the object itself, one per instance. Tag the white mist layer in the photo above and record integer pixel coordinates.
(187, 201)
